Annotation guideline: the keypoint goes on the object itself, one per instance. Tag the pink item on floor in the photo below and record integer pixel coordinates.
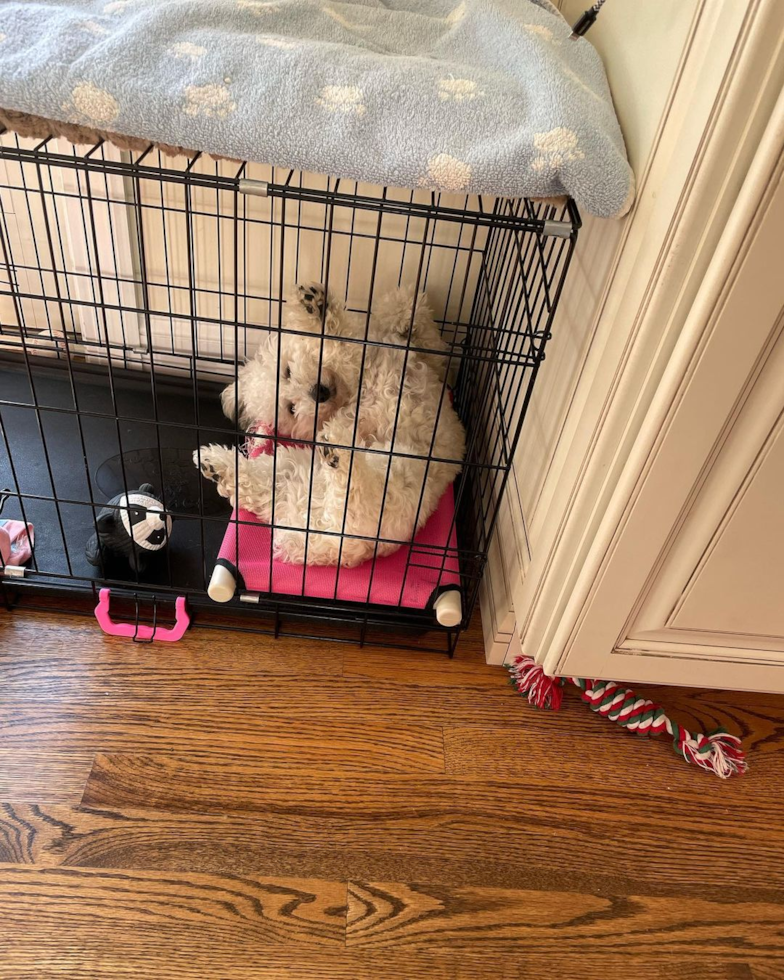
(16, 542)
(408, 578)
(140, 632)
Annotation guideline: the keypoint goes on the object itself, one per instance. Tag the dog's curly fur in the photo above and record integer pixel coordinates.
(314, 379)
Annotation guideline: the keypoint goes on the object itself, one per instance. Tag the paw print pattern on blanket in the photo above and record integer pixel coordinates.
(337, 16)
(457, 14)
(92, 104)
(270, 41)
(259, 7)
(447, 173)
(93, 27)
(342, 98)
(457, 89)
(542, 32)
(556, 147)
(185, 49)
(214, 101)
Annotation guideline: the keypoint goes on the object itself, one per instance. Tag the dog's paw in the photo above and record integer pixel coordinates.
(215, 462)
(313, 297)
(332, 456)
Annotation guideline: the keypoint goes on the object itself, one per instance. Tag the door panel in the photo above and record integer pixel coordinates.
(739, 588)
(691, 589)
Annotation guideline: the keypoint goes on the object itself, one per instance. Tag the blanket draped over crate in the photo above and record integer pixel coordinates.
(482, 96)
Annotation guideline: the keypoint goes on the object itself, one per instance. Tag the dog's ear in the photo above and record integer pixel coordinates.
(233, 399)
(231, 408)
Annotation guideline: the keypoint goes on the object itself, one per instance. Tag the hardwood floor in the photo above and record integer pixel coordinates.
(233, 806)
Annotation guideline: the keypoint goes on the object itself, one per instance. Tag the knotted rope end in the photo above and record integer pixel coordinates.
(530, 680)
(719, 752)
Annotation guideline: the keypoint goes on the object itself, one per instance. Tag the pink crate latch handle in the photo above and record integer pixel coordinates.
(141, 632)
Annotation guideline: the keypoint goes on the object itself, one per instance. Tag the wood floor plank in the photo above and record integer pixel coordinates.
(37, 641)
(348, 700)
(607, 754)
(384, 914)
(271, 910)
(393, 914)
(524, 851)
(768, 971)
(757, 717)
(107, 952)
(179, 782)
(235, 735)
(53, 774)
(660, 838)
(466, 669)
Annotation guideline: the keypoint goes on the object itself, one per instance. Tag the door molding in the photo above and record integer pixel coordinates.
(726, 89)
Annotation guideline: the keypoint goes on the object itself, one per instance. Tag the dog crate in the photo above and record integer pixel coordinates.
(132, 287)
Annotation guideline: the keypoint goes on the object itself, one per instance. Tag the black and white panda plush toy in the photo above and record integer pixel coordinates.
(133, 527)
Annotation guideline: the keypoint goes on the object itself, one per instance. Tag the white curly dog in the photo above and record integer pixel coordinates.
(377, 412)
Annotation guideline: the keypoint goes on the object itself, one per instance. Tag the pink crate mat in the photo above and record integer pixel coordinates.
(408, 578)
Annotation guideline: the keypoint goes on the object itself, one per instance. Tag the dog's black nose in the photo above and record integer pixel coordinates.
(320, 393)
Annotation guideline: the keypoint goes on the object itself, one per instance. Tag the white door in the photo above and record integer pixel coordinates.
(690, 587)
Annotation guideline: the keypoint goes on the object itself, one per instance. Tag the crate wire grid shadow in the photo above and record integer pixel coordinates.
(132, 287)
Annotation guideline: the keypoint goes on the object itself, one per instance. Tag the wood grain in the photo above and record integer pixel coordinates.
(55, 775)
(426, 669)
(384, 914)
(517, 816)
(348, 700)
(179, 782)
(230, 736)
(39, 651)
(201, 810)
(606, 755)
(757, 718)
(107, 952)
(272, 910)
(455, 848)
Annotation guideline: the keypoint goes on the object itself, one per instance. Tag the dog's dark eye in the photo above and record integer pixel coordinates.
(291, 408)
(287, 373)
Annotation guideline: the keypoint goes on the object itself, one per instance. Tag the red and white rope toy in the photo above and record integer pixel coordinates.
(718, 752)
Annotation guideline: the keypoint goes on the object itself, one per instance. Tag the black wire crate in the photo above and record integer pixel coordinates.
(349, 366)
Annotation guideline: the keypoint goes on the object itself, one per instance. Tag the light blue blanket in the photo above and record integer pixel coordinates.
(486, 96)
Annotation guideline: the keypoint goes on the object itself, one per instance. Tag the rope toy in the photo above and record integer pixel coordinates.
(719, 752)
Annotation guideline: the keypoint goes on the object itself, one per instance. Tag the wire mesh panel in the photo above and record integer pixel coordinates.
(362, 357)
